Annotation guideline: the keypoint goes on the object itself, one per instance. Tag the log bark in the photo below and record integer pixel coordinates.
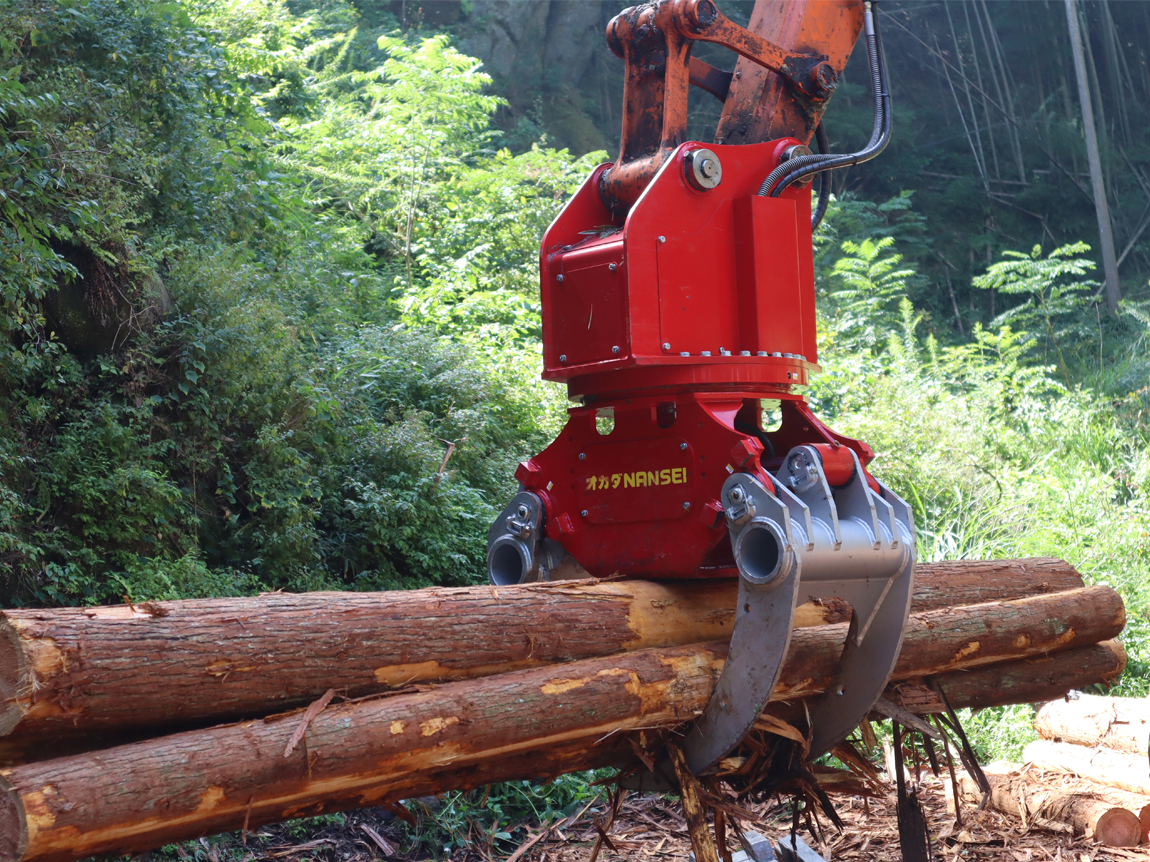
(1120, 723)
(534, 723)
(1022, 796)
(1026, 681)
(1118, 769)
(68, 672)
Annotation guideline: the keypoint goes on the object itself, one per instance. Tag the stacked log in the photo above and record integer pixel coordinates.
(1103, 739)
(1088, 773)
(1025, 795)
(1117, 723)
(67, 673)
(541, 680)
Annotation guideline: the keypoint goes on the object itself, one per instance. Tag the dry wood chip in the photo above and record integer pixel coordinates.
(380, 842)
(278, 852)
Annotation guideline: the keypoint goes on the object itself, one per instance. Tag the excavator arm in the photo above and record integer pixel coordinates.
(678, 295)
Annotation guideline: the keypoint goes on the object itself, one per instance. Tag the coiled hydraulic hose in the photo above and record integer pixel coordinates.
(804, 166)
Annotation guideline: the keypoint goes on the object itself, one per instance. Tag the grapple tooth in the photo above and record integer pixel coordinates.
(801, 538)
(765, 615)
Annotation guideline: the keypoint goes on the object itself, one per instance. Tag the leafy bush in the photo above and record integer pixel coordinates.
(280, 426)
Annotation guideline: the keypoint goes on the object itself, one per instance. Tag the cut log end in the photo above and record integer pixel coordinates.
(1118, 827)
(1023, 795)
(13, 824)
(13, 674)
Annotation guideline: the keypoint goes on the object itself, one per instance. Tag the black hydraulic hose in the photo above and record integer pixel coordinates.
(804, 166)
(824, 179)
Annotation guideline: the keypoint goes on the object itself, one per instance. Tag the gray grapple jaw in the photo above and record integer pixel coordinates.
(794, 538)
(517, 552)
(800, 540)
(769, 566)
(513, 541)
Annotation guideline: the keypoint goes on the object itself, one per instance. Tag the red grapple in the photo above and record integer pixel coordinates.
(678, 295)
(675, 326)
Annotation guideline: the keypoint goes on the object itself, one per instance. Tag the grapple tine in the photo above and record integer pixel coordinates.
(768, 589)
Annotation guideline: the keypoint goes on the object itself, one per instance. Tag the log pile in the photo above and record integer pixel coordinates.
(1082, 810)
(1100, 738)
(241, 712)
(1103, 740)
(1089, 772)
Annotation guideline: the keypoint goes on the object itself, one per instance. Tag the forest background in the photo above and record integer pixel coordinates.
(265, 263)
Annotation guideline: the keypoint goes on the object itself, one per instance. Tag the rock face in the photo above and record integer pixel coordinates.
(550, 60)
(106, 303)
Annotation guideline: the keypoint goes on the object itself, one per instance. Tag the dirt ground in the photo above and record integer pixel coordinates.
(652, 827)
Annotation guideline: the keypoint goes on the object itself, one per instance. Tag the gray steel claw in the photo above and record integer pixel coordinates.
(760, 530)
(801, 539)
(861, 548)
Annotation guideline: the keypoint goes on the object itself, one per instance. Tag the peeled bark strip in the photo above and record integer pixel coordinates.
(1124, 771)
(1083, 813)
(67, 672)
(1120, 723)
(533, 723)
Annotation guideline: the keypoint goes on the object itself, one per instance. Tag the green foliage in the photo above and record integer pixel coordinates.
(280, 426)
(1055, 295)
(496, 817)
(481, 251)
(863, 309)
(1000, 733)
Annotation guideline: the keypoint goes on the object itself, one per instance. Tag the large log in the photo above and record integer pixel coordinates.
(1120, 723)
(66, 672)
(1030, 680)
(533, 723)
(1118, 769)
(1022, 796)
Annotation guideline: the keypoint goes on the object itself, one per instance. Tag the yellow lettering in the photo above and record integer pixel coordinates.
(602, 483)
(652, 478)
(590, 483)
(616, 478)
(679, 476)
(641, 479)
(628, 480)
(664, 477)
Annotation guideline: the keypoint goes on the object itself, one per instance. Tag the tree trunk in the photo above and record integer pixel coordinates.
(1119, 723)
(1116, 768)
(1084, 814)
(1101, 208)
(74, 671)
(534, 723)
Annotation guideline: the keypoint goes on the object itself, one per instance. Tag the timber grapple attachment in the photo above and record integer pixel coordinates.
(678, 296)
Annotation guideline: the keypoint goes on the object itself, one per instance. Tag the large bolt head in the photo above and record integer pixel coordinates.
(703, 169)
(737, 494)
(825, 79)
(794, 151)
(522, 512)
